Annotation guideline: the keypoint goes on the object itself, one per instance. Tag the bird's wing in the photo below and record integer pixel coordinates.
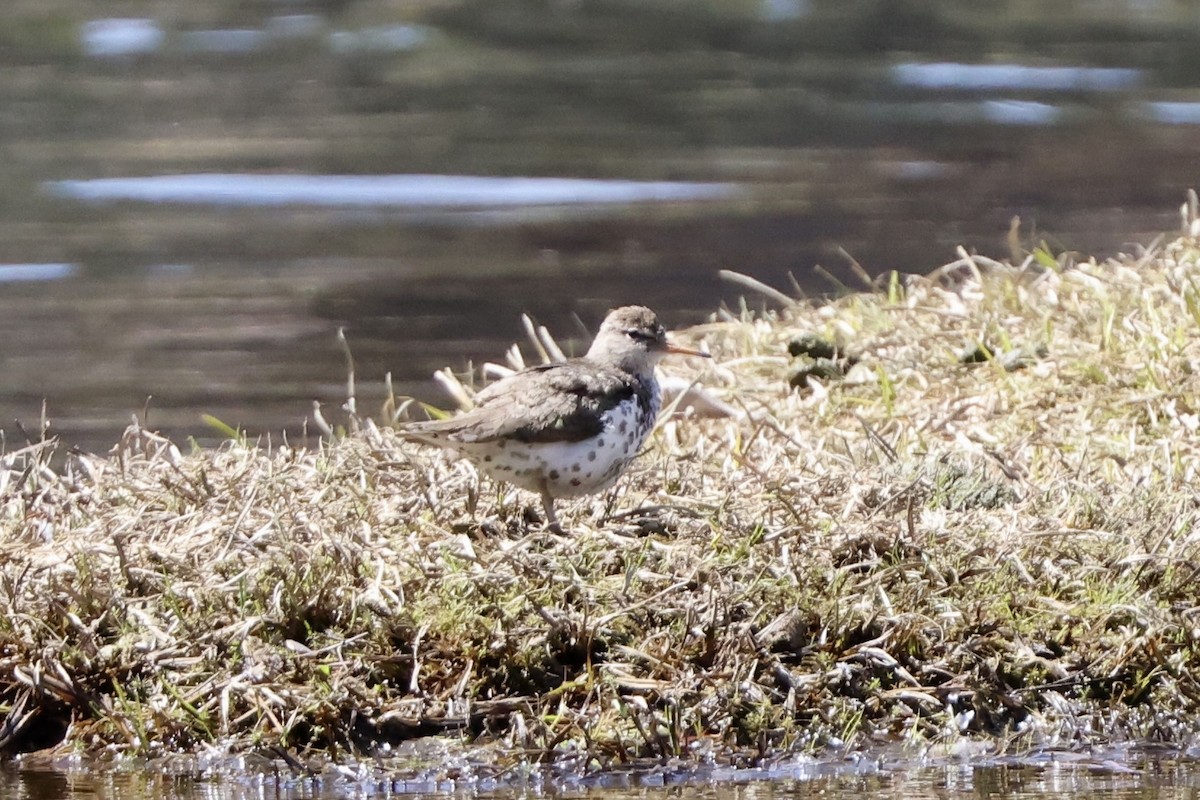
(559, 402)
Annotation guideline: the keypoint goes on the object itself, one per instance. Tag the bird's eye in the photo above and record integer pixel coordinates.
(637, 334)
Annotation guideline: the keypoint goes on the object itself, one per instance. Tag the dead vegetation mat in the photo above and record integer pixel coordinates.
(986, 527)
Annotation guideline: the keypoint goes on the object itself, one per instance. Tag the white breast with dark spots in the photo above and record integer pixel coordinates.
(569, 469)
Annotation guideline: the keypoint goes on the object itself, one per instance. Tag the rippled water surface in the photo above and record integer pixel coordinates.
(1061, 775)
(199, 194)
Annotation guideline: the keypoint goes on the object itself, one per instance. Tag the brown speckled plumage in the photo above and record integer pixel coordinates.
(532, 428)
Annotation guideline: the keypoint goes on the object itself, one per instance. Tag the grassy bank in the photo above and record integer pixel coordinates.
(986, 528)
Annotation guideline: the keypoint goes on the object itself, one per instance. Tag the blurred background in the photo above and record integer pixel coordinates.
(196, 194)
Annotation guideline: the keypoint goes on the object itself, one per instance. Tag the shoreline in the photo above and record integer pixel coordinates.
(446, 775)
(982, 529)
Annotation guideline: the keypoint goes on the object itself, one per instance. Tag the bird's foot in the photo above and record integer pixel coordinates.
(552, 524)
(534, 519)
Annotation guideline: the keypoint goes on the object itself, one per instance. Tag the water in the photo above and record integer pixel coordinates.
(1057, 775)
(199, 194)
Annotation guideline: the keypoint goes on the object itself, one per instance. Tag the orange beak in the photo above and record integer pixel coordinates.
(683, 351)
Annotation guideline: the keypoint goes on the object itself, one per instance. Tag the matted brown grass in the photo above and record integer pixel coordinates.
(933, 549)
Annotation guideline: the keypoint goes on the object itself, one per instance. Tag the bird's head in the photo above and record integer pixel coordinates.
(633, 339)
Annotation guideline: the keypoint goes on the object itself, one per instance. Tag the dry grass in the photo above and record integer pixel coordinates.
(926, 550)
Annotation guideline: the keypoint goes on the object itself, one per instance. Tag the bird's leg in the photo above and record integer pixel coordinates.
(548, 505)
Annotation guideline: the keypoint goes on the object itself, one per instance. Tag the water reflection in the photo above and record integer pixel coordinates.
(295, 26)
(105, 38)
(999, 112)
(384, 38)
(447, 191)
(1009, 77)
(122, 37)
(223, 41)
(1059, 775)
(781, 10)
(10, 273)
(1174, 113)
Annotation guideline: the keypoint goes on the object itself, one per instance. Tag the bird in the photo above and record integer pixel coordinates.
(567, 428)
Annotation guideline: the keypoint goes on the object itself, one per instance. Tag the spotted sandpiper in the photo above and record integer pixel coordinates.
(568, 428)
